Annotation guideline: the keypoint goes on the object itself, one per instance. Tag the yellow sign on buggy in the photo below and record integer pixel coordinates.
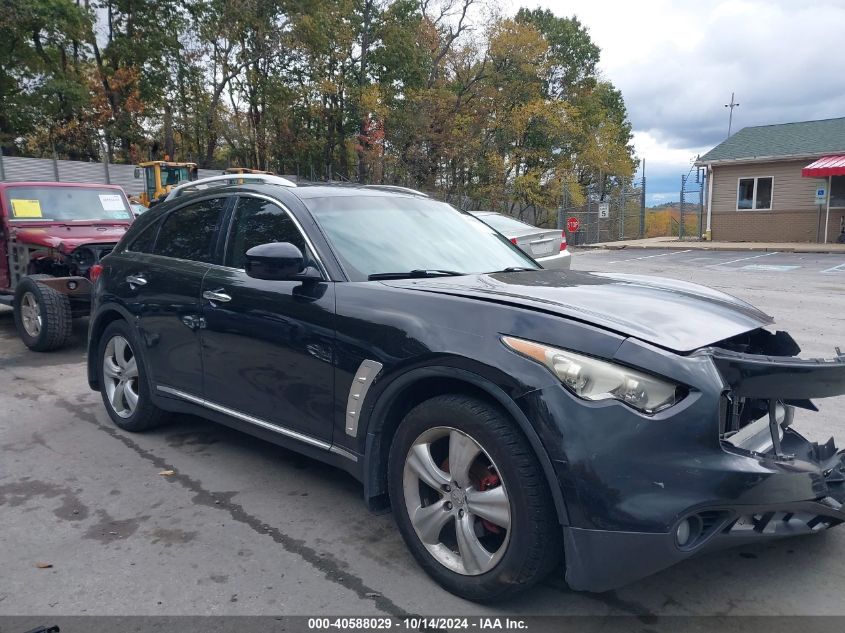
(26, 208)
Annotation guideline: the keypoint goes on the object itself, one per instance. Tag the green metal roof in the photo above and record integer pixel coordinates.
(805, 138)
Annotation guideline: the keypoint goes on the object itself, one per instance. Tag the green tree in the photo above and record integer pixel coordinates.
(42, 79)
(573, 55)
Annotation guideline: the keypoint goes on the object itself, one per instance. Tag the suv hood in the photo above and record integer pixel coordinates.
(675, 315)
(71, 235)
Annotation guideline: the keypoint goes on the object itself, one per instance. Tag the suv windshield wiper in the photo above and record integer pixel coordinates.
(512, 269)
(415, 273)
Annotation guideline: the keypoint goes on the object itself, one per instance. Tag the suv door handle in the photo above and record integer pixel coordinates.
(136, 280)
(216, 295)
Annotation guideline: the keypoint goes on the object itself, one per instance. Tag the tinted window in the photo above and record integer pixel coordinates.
(763, 199)
(259, 222)
(745, 195)
(188, 233)
(754, 193)
(386, 234)
(145, 241)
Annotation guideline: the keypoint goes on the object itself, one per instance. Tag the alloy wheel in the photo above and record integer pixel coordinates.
(120, 376)
(457, 501)
(31, 314)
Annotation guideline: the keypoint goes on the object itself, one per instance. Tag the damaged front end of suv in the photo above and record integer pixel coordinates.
(758, 478)
(766, 382)
(667, 410)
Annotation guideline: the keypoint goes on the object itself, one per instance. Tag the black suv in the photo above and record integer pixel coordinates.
(508, 414)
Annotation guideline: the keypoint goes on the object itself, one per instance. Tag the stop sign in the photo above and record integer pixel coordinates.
(572, 224)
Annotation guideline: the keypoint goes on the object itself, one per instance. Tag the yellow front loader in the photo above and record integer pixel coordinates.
(160, 176)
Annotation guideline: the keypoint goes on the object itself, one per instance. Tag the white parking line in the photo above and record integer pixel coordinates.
(771, 268)
(742, 259)
(633, 259)
(835, 269)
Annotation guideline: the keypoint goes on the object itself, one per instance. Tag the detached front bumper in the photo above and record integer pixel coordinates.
(666, 500)
(600, 560)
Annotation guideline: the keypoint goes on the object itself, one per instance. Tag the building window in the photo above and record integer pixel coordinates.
(754, 193)
(837, 191)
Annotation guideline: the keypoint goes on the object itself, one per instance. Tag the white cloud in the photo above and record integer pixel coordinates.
(677, 62)
(660, 155)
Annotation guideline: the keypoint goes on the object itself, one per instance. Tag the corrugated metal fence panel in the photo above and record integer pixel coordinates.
(18, 168)
(77, 171)
(124, 175)
(207, 173)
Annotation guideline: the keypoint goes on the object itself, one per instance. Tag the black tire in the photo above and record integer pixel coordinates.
(146, 414)
(533, 547)
(53, 309)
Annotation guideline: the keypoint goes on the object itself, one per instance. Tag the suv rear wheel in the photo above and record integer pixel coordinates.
(470, 499)
(42, 315)
(123, 380)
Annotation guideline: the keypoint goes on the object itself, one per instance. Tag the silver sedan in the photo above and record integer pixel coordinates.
(546, 246)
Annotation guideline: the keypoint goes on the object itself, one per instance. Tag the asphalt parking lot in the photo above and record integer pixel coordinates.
(244, 527)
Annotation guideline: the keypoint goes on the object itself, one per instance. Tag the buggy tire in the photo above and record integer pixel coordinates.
(42, 315)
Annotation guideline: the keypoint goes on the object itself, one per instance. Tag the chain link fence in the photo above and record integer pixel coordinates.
(620, 216)
(691, 213)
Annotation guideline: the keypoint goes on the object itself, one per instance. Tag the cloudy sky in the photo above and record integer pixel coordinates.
(677, 61)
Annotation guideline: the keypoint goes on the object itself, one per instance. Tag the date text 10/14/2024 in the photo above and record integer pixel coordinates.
(417, 623)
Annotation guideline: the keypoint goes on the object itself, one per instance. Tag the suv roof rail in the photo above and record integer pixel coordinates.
(223, 179)
(398, 189)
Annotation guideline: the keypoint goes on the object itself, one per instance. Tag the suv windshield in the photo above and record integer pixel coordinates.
(67, 203)
(394, 234)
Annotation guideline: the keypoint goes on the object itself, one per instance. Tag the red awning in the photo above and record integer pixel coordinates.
(824, 167)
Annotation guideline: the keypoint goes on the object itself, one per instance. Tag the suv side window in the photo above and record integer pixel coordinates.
(188, 233)
(145, 240)
(257, 222)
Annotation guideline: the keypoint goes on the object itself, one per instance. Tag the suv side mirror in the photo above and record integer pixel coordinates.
(279, 261)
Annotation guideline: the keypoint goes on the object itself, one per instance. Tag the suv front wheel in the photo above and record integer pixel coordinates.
(470, 499)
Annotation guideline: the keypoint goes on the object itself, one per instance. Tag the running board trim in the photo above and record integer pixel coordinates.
(219, 408)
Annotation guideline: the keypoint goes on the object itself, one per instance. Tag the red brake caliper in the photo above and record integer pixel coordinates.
(486, 478)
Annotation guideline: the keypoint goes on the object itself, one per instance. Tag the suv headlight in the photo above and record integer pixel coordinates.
(594, 379)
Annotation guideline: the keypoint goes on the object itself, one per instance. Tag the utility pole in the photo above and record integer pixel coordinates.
(731, 105)
(642, 204)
